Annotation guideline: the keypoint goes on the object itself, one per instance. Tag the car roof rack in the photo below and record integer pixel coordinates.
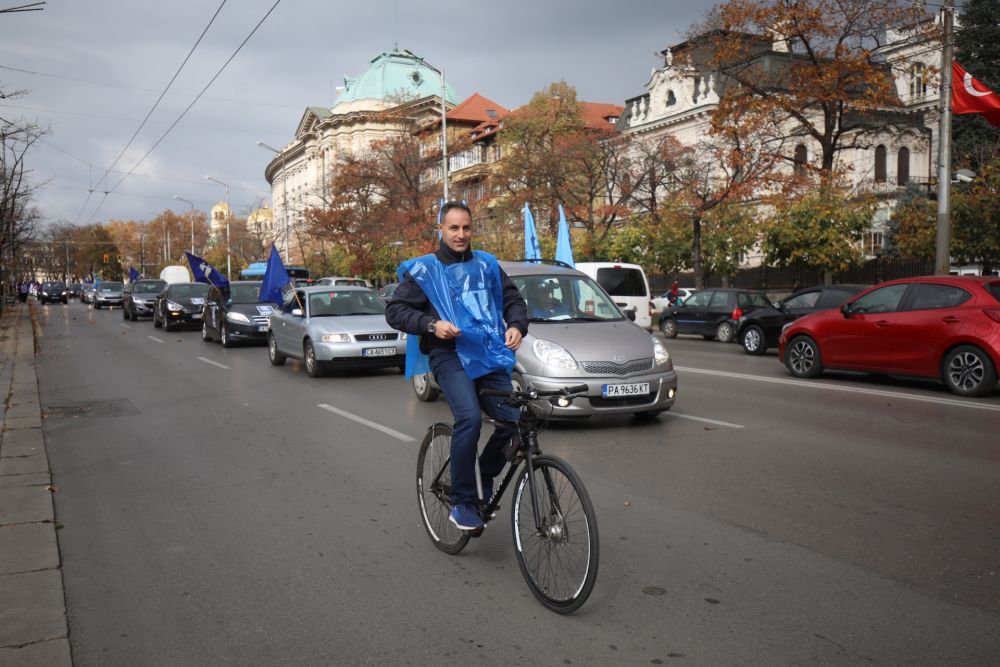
(554, 262)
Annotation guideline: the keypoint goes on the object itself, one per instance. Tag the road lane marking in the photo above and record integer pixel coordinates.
(369, 424)
(214, 363)
(154, 339)
(850, 390)
(702, 419)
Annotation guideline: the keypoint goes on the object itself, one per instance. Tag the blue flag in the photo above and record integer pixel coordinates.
(275, 278)
(564, 249)
(440, 206)
(531, 251)
(133, 275)
(205, 272)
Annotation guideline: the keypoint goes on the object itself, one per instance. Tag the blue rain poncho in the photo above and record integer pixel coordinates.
(470, 296)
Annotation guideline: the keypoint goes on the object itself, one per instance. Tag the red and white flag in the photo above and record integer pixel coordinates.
(970, 96)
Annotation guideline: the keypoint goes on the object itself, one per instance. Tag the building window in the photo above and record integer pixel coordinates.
(671, 98)
(903, 166)
(874, 242)
(880, 164)
(918, 81)
(801, 158)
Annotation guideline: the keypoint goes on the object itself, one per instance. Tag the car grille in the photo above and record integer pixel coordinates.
(368, 361)
(611, 368)
(259, 319)
(376, 336)
(622, 401)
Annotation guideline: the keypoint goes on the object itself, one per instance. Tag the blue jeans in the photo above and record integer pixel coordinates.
(462, 394)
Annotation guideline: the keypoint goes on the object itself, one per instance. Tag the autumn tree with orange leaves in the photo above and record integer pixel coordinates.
(811, 65)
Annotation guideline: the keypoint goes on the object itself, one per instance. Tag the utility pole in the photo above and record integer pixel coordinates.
(942, 254)
(284, 191)
(229, 215)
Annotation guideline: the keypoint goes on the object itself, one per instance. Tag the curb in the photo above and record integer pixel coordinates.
(33, 625)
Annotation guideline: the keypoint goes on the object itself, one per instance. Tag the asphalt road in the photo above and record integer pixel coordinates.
(213, 513)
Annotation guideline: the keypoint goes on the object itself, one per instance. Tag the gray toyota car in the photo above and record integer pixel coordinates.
(577, 334)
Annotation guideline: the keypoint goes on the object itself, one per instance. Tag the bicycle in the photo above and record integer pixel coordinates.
(552, 519)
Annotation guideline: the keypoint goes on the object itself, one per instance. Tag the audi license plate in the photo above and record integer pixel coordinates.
(378, 351)
(262, 328)
(616, 390)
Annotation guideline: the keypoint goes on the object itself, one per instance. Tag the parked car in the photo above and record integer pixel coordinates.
(945, 327)
(663, 301)
(760, 329)
(236, 315)
(179, 305)
(577, 334)
(334, 326)
(53, 291)
(140, 297)
(108, 294)
(388, 290)
(712, 313)
(73, 290)
(626, 284)
(341, 280)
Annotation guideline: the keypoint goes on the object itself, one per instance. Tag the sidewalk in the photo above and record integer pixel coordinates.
(33, 628)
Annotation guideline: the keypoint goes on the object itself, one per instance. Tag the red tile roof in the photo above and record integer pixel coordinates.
(596, 114)
(476, 109)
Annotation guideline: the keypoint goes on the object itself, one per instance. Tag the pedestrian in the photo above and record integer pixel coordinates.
(22, 290)
(470, 318)
(673, 294)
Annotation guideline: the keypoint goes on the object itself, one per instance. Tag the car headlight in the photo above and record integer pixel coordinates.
(402, 335)
(552, 354)
(237, 317)
(174, 307)
(660, 353)
(336, 338)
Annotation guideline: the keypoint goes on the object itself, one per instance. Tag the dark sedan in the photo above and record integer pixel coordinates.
(53, 291)
(236, 315)
(712, 313)
(760, 329)
(140, 297)
(180, 306)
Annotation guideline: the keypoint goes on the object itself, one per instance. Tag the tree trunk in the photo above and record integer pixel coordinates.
(699, 279)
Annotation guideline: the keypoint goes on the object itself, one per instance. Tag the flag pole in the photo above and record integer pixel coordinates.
(942, 248)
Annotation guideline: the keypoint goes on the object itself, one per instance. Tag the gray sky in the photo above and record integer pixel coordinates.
(101, 64)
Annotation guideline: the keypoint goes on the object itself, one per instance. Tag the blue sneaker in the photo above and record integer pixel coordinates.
(465, 517)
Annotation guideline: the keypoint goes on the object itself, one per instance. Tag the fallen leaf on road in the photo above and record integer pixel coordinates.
(52, 487)
(628, 503)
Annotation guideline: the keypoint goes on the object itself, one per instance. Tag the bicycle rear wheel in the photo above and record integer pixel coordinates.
(559, 562)
(434, 490)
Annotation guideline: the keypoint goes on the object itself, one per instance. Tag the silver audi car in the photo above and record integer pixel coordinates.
(577, 334)
(334, 326)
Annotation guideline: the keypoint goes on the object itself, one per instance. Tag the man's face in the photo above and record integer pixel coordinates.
(456, 230)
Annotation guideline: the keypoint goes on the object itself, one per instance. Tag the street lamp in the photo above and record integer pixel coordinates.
(229, 259)
(190, 215)
(284, 185)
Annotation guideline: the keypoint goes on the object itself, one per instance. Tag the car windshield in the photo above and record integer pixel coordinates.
(345, 302)
(53, 286)
(188, 291)
(75, 286)
(248, 293)
(148, 285)
(110, 287)
(561, 298)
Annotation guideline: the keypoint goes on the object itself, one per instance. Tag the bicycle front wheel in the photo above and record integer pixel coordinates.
(434, 490)
(559, 557)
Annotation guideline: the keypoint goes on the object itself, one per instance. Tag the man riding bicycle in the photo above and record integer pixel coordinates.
(470, 318)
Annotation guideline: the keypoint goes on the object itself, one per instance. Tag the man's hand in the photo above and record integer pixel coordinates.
(513, 338)
(445, 330)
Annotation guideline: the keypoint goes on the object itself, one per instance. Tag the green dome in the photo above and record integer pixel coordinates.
(398, 74)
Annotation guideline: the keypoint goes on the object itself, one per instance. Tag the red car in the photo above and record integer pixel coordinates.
(945, 327)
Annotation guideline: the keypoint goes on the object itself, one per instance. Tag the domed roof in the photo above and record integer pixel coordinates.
(395, 74)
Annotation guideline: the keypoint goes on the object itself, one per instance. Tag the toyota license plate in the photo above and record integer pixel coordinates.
(617, 390)
(378, 351)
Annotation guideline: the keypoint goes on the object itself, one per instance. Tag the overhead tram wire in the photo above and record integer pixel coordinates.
(163, 94)
(193, 102)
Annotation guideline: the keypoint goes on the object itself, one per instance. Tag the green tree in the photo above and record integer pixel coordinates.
(976, 217)
(912, 226)
(976, 143)
(821, 230)
(729, 232)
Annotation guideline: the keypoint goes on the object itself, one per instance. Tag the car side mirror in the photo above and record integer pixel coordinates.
(630, 314)
(845, 309)
(297, 312)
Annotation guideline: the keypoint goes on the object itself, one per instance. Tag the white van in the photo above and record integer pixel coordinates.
(626, 284)
(175, 274)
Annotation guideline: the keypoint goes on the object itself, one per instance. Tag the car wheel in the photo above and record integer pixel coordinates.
(669, 327)
(167, 326)
(224, 336)
(205, 336)
(276, 358)
(422, 387)
(753, 340)
(156, 322)
(968, 371)
(517, 382)
(132, 316)
(802, 357)
(724, 332)
(314, 367)
(124, 314)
